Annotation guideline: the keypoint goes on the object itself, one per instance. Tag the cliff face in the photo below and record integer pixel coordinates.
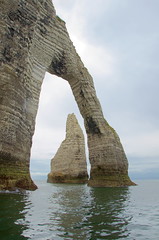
(34, 40)
(69, 163)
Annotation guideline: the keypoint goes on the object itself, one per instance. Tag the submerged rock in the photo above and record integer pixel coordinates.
(69, 163)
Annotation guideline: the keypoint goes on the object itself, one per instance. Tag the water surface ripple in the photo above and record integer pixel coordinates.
(61, 211)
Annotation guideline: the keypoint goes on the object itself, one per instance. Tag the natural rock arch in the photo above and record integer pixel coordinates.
(34, 41)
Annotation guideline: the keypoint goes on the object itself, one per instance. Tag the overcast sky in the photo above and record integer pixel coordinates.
(118, 42)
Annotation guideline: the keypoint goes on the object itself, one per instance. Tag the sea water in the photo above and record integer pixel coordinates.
(74, 211)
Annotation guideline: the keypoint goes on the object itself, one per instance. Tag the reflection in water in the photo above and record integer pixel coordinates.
(61, 211)
(93, 213)
(71, 212)
(107, 218)
(11, 209)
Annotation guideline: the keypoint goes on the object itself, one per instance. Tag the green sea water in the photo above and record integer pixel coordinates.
(61, 211)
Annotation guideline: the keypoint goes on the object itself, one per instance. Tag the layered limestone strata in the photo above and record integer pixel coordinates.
(69, 163)
(34, 40)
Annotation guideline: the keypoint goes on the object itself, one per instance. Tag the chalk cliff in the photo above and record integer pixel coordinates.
(34, 40)
(69, 163)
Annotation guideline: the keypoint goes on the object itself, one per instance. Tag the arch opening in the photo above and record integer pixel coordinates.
(56, 102)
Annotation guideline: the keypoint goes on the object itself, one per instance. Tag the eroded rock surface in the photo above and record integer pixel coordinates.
(34, 40)
(69, 163)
